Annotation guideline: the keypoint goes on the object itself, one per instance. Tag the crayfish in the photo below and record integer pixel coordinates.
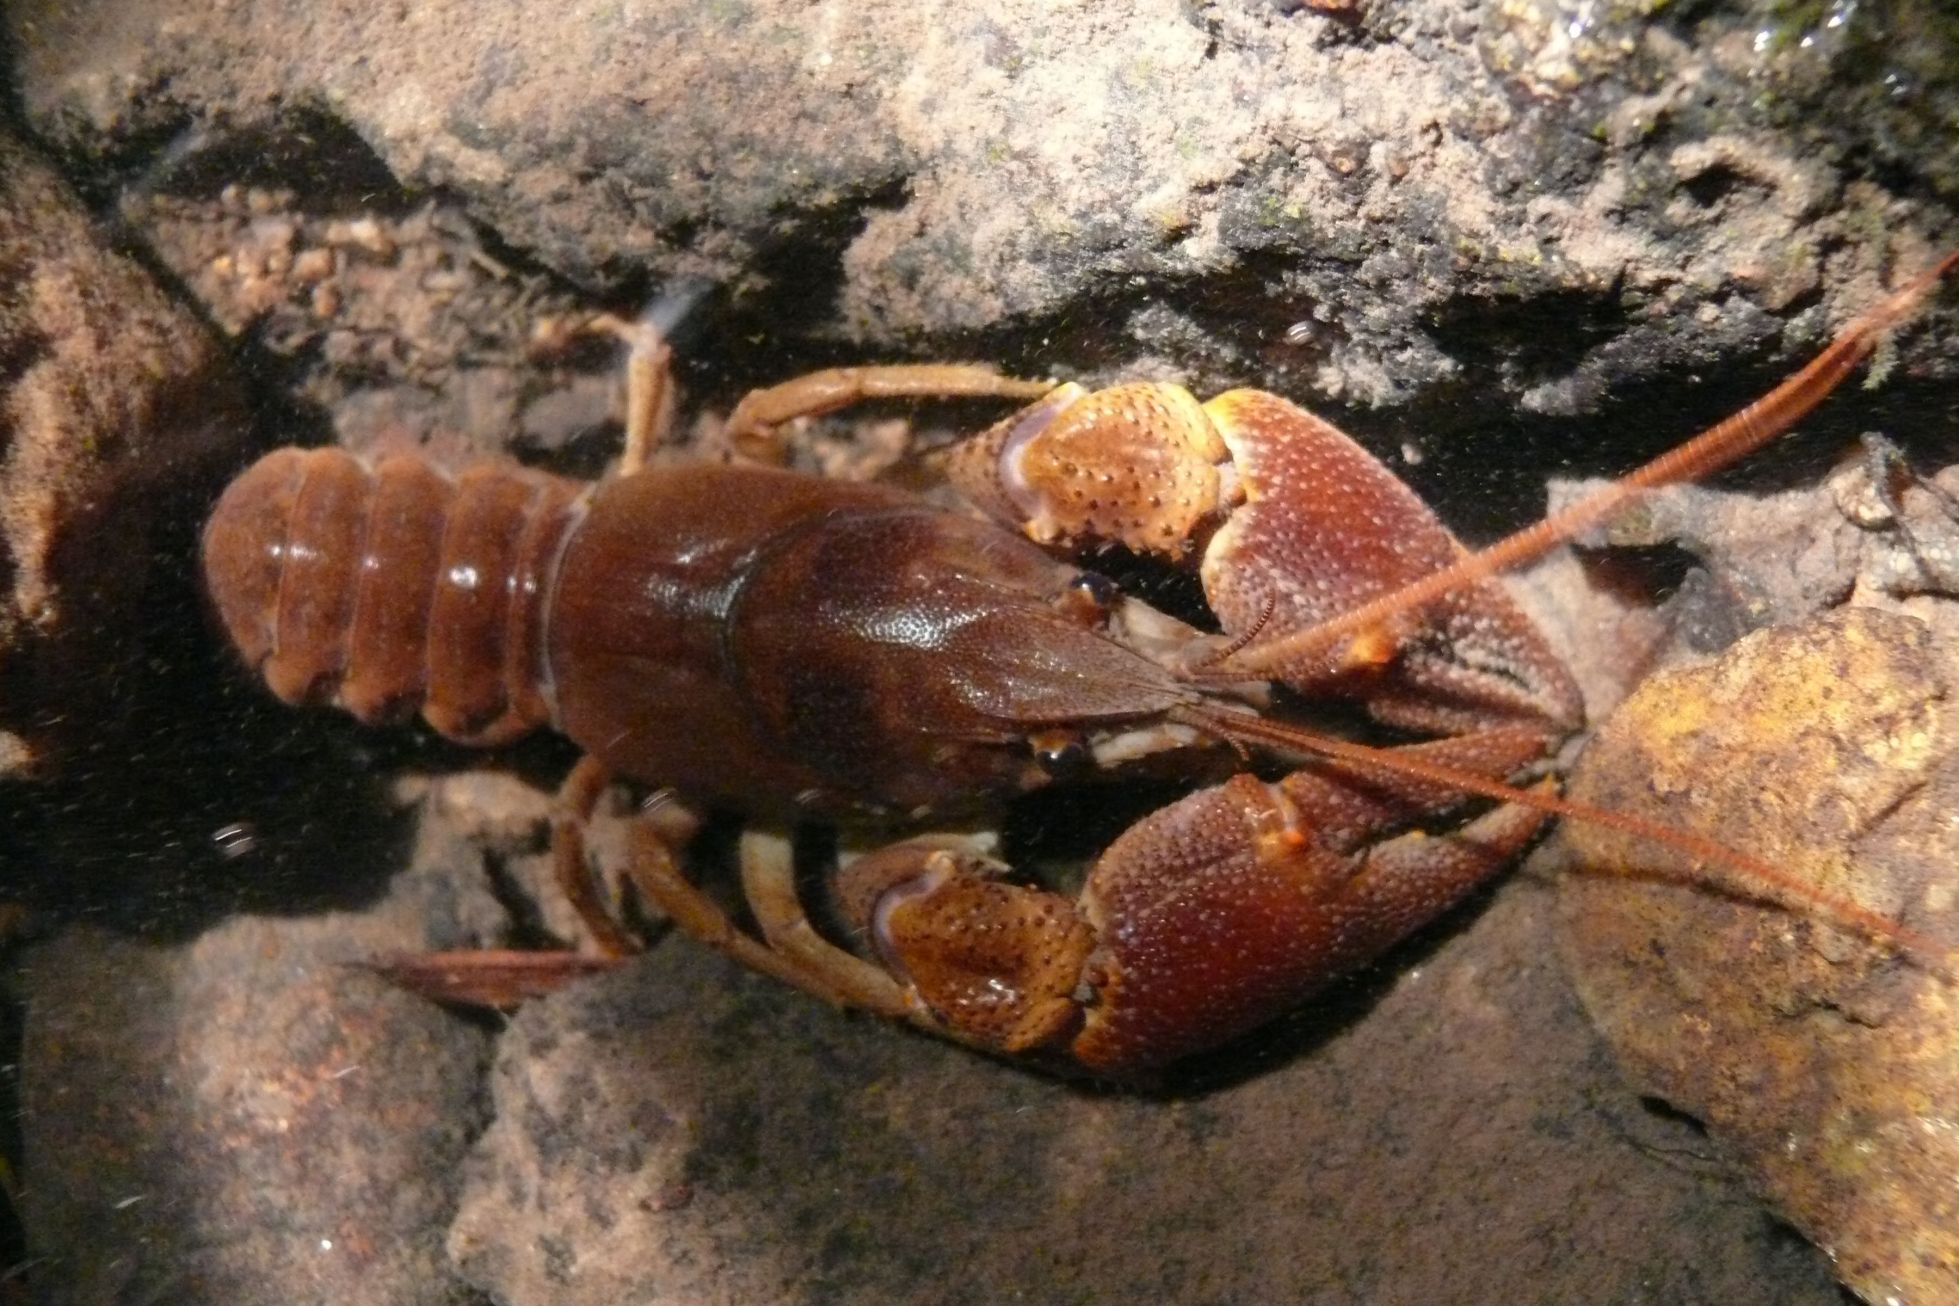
(801, 649)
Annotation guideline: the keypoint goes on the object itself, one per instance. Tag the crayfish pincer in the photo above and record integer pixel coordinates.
(795, 648)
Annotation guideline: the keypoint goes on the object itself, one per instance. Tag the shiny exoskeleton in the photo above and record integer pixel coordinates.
(754, 636)
(795, 647)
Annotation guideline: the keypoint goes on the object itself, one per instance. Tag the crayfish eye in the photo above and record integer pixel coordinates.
(1063, 754)
(1092, 594)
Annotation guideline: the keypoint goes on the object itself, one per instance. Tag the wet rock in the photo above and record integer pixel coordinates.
(117, 410)
(1447, 1130)
(1374, 205)
(1483, 223)
(250, 1117)
(1808, 1019)
(1444, 1128)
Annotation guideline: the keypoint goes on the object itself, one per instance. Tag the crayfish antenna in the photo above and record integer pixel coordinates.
(1720, 445)
(1781, 887)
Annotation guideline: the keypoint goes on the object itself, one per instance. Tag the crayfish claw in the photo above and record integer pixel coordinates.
(998, 963)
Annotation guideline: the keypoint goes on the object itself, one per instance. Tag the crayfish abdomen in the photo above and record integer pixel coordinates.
(392, 589)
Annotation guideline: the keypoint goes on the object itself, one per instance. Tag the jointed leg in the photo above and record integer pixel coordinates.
(794, 953)
(768, 880)
(576, 799)
(649, 388)
(649, 380)
(752, 426)
(503, 978)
